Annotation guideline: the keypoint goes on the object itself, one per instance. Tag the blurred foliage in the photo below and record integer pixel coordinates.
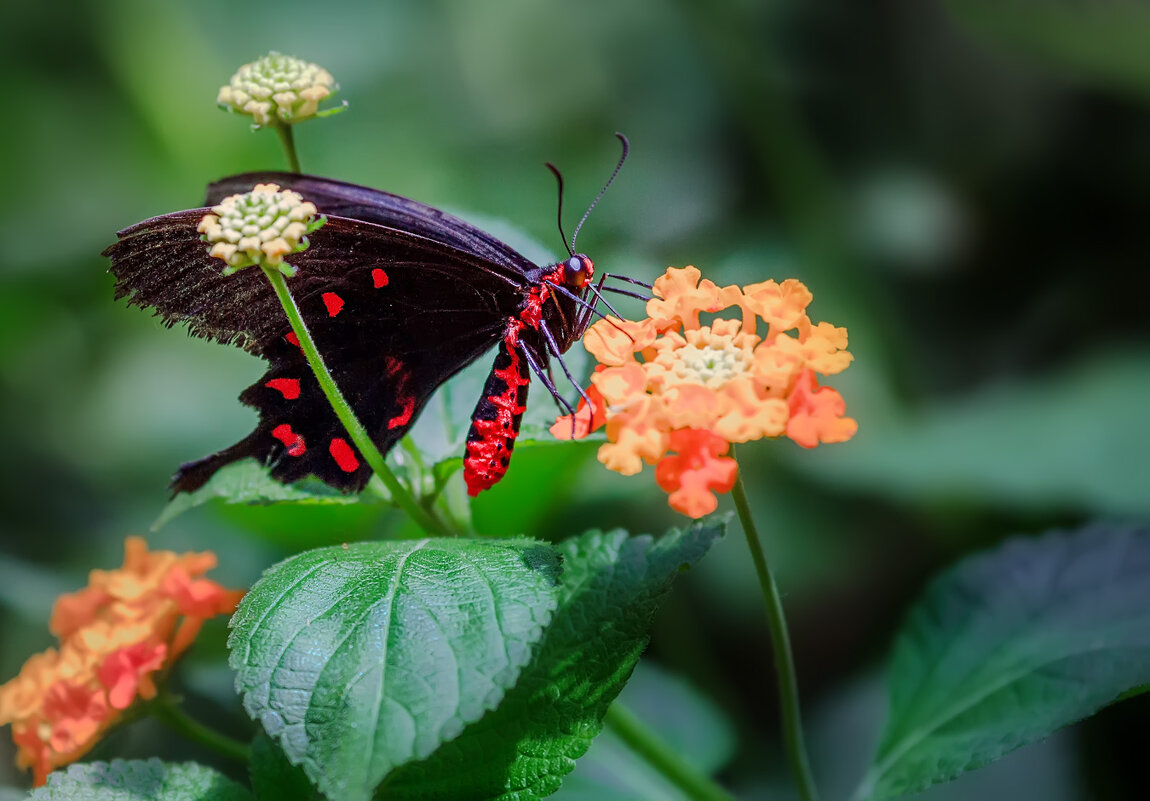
(961, 183)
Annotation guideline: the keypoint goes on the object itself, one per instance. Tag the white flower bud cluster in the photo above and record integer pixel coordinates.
(259, 227)
(277, 88)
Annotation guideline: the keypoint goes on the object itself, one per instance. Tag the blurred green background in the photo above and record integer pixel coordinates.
(964, 185)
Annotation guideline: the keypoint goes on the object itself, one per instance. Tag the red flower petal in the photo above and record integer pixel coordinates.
(124, 671)
(694, 474)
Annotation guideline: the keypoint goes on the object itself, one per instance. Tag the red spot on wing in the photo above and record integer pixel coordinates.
(378, 278)
(293, 339)
(404, 417)
(292, 441)
(288, 386)
(333, 302)
(394, 368)
(343, 455)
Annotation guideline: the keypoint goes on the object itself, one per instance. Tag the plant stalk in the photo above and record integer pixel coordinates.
(656, 753)
(287, 139)
(422, 517)
(166, 709)
(781, 645)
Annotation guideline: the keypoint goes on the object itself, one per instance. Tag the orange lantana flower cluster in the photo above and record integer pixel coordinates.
(115, 634)
(675, 392)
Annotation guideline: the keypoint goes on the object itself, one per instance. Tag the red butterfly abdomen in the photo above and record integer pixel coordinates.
(495, 421)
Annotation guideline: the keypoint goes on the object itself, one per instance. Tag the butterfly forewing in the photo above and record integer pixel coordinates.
(383, 208)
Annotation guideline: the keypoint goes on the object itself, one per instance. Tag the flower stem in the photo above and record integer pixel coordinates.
(287, 139)
(167, 710)
(781, 642)
(644, 742)
(399, 494)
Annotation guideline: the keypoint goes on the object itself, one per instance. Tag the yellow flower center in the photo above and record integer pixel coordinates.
(713, 364)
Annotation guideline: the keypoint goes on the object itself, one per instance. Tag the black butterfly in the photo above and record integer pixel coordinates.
(398, 296)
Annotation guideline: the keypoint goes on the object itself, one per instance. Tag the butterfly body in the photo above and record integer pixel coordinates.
(398, 297)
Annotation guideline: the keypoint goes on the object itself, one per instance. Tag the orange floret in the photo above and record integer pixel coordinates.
(116, 635)
(675, 392)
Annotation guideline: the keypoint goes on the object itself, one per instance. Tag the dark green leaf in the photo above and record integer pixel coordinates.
(273, 777)
(138, 780)
(612, 585)
(360, 659)
(1010, 646)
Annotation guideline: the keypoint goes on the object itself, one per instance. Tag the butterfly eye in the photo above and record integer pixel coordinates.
(577, 271)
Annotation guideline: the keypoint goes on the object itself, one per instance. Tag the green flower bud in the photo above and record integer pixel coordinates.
(260, 227)
(277, 89)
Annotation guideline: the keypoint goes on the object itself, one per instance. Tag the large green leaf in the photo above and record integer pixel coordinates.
(139, 780)
(1011, 645)
(611, 586)
(360, 659)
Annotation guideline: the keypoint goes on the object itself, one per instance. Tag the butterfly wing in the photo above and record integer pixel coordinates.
(393, 313)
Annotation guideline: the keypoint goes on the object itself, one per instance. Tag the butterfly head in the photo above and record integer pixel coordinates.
(578, 271)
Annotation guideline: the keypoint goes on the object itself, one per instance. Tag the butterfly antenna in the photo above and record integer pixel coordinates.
(635, 281)
(619, 166)
(627, 293)
(559, 214)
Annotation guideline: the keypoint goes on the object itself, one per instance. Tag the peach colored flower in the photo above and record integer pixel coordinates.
(115, 635)
(675, 392)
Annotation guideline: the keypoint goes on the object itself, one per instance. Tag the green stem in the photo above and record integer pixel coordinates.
(167, 710)
(781, 642)
(661, 756)
(287, 139)
(343, 411)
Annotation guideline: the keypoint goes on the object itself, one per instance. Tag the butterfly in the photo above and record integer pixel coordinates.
(398, 297)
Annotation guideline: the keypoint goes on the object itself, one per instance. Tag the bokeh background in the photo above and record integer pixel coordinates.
(963, 184)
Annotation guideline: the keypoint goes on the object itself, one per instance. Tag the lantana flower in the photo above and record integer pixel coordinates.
(260, 227)
(278, 89)
(676, 392)
(115, 635)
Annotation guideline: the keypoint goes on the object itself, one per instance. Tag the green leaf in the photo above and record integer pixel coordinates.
(273, 777)
(248, 481)
(139, 780)
(611, 586)
(1010, 646)
(688, 722)
(360, 659)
